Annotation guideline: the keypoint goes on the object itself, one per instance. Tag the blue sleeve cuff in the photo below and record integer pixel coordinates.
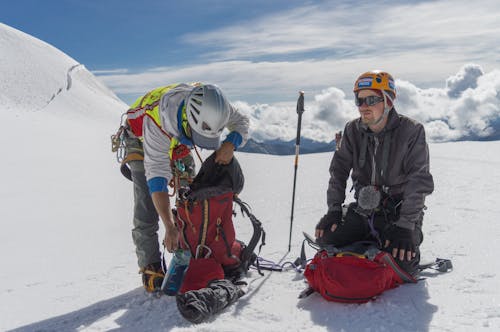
(235, 138)
(158, 184)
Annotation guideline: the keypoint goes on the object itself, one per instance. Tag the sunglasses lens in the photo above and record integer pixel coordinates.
(370, 100)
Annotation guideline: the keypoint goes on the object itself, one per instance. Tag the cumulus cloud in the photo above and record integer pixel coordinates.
(333, 108)
(269, 122)
(474, 113)
(466, 78)
(466, 107)
(325, 114)
(424, 105)
(440, 131)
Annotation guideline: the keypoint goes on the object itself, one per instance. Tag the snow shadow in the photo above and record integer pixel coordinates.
(405, 308)
(132, 311)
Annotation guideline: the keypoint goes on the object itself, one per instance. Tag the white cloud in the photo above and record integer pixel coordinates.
(110, 71)
(325, 114)
(269, 58)
(474, 114)
(463, 80)
(467, 108)
(424, 105)
(270, 121)
(265, 82)
(322, 48)
(477, 111)
(454, 29)
(439, 131)
(333, 108)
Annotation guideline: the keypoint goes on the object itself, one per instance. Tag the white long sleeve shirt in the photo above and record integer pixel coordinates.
(156, 141)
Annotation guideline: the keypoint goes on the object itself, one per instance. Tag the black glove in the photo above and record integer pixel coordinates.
(400, 239)
(328, 220)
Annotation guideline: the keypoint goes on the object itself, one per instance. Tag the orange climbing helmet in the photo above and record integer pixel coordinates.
(376, 80)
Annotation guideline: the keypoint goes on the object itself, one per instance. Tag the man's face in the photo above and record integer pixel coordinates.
(370, 114)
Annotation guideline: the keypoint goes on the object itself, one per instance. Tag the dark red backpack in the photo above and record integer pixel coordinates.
(354, 278)
(204, 217)
(207, 231)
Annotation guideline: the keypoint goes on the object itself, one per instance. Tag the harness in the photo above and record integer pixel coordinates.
(131, 124)
(375, 197)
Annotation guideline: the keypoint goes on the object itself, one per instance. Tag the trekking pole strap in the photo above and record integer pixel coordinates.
(441, 265)
(268, 265)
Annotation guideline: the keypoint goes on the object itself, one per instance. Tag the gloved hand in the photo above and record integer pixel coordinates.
(400, 241)
(328, 221)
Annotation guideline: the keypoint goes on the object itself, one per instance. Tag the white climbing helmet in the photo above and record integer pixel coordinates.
(207, 111)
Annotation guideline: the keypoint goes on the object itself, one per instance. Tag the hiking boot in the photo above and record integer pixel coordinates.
(152, 277)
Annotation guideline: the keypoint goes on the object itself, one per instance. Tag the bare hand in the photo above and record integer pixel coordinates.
(171, 240)
(225, 153)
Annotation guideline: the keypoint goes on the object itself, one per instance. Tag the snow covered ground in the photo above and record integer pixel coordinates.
(67, 257)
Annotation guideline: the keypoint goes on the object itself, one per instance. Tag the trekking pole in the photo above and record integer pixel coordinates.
(300, 110)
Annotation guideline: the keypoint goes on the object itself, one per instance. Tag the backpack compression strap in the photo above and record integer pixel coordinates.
(258, 234)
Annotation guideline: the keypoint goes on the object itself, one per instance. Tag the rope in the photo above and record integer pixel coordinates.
(198, 154)
(174, 184)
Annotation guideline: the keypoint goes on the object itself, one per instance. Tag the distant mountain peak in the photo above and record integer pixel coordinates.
(279, 147)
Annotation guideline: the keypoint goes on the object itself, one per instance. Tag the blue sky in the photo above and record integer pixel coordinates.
(264, 51)
(115, 33)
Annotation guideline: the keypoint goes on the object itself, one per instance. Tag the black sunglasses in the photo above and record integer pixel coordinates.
(370, 100)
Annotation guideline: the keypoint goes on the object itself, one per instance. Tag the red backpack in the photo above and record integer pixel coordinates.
(204, 218)
(206, 229)
(354, 278)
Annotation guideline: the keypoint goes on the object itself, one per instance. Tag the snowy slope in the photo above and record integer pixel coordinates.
(101, 291)
(68, 261)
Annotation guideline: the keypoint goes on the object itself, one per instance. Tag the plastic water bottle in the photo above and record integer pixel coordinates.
(175, 272)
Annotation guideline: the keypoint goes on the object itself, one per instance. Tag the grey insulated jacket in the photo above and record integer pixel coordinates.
(403, 171)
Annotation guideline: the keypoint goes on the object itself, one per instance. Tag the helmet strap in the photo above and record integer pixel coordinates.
(386, 104)
(185, 123)
(183, 126)
(386, 98)
(386, 109)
